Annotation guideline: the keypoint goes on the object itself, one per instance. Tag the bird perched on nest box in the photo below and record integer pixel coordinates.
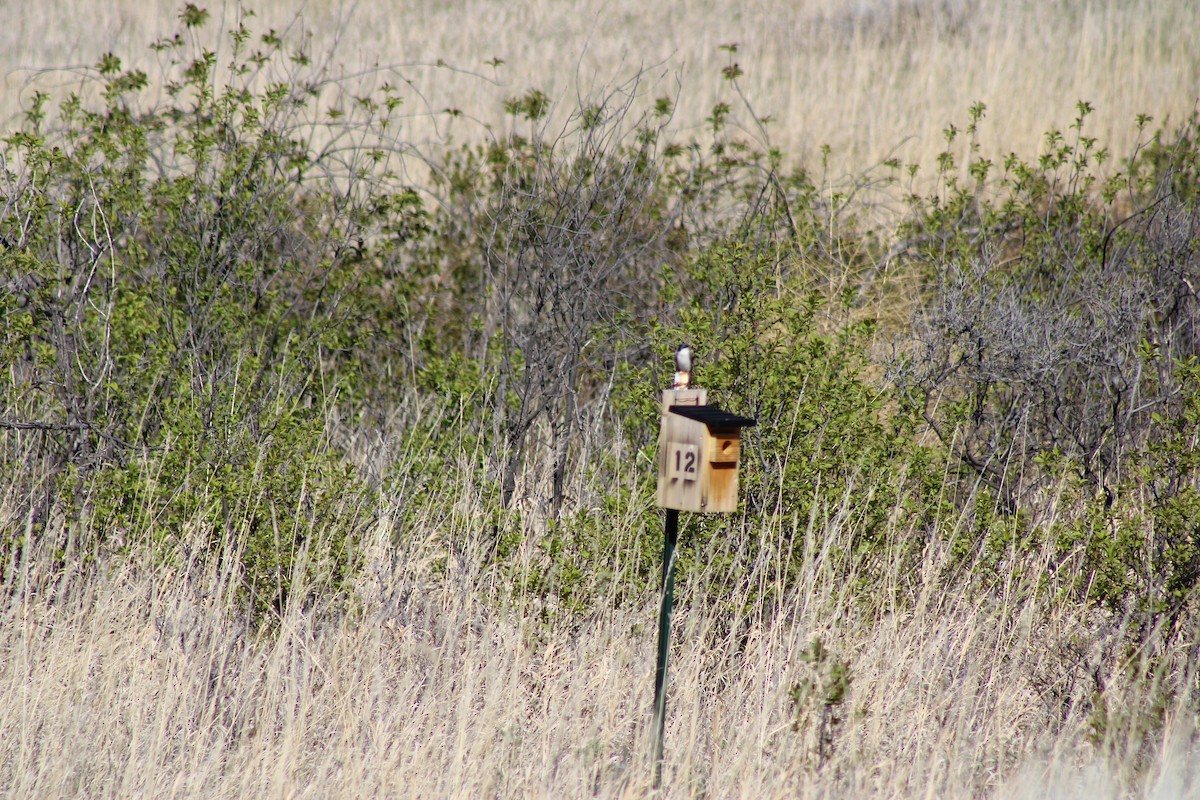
(683, 366)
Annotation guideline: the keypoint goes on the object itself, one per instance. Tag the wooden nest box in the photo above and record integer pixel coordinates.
(698, 450)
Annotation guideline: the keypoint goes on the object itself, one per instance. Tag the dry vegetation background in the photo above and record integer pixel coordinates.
(146, 684)
(836, 669)
(872, 79)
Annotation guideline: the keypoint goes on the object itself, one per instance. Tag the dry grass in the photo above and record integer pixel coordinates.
(141, 681)
(871, 79)
(134, 678)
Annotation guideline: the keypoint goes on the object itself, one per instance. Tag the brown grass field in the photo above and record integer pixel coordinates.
(119, 679)
(147, 684)
(124, 680)
(872, 79)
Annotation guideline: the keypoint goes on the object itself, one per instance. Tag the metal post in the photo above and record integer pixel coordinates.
(670, 537)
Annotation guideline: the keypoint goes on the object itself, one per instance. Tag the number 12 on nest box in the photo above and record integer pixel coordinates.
(683, 461)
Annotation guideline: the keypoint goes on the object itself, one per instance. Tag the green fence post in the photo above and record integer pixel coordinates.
(670, 537)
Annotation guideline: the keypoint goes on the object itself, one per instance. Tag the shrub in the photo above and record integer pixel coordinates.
(1141, 553)
(1055, 352)
(565, 231)
(1053, 318)
(179, 281)
(829, 448)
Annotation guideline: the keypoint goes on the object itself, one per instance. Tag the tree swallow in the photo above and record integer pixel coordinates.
(683, 358)
(683, 366)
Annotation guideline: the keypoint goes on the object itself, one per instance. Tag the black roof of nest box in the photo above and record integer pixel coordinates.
(713, 417)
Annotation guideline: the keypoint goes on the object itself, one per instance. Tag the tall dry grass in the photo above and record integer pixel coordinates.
(871, 79)
(129, 679)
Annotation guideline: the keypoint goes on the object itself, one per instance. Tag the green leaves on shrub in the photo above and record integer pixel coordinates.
(1053, 317)
(828, 448)
(195, 281)
(180, 280)
(1055, 348)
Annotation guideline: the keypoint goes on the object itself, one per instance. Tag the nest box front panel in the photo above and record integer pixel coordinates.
(681, 452)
